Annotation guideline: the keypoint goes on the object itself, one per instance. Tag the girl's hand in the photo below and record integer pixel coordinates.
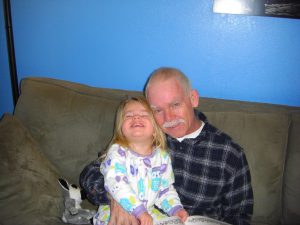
(146, 219)
(182, 214)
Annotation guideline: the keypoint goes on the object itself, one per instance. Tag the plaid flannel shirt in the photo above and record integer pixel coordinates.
(212, 176)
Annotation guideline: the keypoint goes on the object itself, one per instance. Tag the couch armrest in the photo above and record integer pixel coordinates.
(30, 193)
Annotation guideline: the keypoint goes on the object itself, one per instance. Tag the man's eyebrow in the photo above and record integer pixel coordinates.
(153, 107)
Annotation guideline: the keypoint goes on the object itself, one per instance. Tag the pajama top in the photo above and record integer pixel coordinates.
(139, 182)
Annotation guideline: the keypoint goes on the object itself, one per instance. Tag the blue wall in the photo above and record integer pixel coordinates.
(118, 43)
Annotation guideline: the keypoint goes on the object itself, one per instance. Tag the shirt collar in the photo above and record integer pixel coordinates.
(192, 135)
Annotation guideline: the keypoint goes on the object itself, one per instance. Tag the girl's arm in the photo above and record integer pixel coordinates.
(116, 181)
(168, 199)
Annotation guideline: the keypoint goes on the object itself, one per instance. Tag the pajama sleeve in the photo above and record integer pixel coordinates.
(115, 175)
(168, 199)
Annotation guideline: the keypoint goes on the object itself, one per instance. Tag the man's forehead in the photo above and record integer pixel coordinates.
(166, 103)
(162, 84)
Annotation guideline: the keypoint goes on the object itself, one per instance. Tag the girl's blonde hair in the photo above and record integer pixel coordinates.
(159, 139)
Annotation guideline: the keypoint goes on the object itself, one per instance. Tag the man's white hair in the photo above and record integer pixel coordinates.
(166, 73)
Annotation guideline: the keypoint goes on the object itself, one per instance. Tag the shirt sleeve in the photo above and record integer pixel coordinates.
(168, 199)
(92, 183)
(239, 199)
(116, 180)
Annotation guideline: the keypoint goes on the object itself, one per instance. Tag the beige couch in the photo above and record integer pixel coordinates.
(58, 127)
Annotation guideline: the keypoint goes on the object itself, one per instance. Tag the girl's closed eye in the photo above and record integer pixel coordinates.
(144, 114)
(128, 115)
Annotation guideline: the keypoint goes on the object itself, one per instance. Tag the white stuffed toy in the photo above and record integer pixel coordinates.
(73, 212)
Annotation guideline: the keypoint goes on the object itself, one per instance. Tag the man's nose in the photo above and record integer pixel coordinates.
(168, 115)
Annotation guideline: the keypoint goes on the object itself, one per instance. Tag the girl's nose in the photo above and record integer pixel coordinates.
(136, 116)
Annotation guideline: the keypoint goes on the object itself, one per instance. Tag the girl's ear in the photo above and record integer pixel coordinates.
(194, 98)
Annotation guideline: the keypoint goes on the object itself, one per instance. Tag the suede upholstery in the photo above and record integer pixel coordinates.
(58, 127)
(29, 191)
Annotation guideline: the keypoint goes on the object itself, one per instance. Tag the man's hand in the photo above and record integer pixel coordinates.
(182, 214)
(146, 219)
(118, 216)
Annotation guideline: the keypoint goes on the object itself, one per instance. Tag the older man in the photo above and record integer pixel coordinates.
(211, 172)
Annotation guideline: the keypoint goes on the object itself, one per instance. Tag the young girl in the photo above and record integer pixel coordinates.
(137, 169)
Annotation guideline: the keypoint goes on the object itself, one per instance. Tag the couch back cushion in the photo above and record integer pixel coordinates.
(72, 123)
(291, 188)
(263, 137)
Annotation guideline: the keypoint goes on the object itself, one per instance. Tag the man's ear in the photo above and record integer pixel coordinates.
(194, 98)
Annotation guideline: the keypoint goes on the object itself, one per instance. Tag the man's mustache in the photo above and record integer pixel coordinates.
(172, 123)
